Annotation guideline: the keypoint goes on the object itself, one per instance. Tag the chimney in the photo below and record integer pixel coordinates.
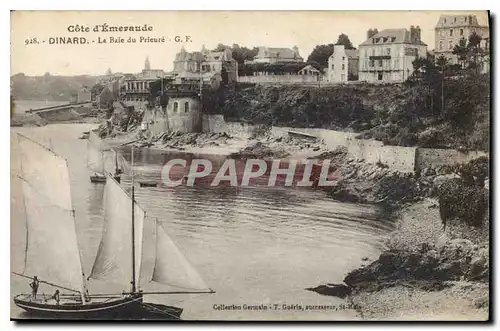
(414, 34)
(370, 33)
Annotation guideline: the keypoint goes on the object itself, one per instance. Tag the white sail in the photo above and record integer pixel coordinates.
(95, 139)
(52, 250)
(171, 267)
(46, 171)
(51, 243)
(95, 158)
(114, 257)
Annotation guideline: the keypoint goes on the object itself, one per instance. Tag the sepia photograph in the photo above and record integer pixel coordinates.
(250, 165)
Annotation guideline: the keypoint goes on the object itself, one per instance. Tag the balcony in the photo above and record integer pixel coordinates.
(380, 57)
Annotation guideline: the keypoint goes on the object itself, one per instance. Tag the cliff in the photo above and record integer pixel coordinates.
(402, 115)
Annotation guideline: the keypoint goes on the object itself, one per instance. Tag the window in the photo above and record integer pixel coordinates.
(440, 44)
(379, 63)
(387, 51)
(454, 19)
(176, 106)
(186, 107)
(451, 32)
(343, 66)
(373, 51)
(461, 32)
(332, 66)
(342, 77)
(372, 63)
(450, 44)
(379, 76)
(343, 58)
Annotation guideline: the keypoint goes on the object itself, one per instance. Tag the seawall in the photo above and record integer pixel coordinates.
(403, 159)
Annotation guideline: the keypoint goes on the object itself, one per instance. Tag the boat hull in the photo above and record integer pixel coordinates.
(131, 307)
(102, 179)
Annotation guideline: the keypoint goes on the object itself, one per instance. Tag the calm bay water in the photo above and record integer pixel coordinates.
(252, 245)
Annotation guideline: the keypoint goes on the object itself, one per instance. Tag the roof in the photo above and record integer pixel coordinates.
(185, 56)
(309, 67)
(151, 74)
(277, 52)
(352, 53)
(204, 56)
(390, 36)
(447, 21)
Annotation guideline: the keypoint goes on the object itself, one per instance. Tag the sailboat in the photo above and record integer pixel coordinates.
(96, 160)
(53, 256)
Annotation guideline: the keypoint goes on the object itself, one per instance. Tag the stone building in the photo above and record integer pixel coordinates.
(207, 63)
(450, 30)
(135, 88)
(276, 55)
(84, 95)
(388, 55)
(343, 65)
(183, 112)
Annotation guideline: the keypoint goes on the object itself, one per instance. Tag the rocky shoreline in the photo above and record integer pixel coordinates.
(447, 269)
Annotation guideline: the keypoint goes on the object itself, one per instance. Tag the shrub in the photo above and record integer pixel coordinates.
(465, 198)
(459, 199)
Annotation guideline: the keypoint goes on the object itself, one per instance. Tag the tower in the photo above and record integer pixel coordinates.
(147, 65)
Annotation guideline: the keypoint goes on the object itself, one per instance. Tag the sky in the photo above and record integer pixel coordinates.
(305, 29)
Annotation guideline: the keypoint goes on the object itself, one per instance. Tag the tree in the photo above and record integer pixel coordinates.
(155, 91)
(460, 50)
(343, 39)
(12, 105)
(240, 54)
(320, 54)
(220, 48)
(475, 52)
(470, 53)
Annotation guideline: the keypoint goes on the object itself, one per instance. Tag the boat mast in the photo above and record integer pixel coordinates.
(116, 162)
(133, 224)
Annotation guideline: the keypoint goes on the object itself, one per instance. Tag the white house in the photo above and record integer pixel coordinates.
(388, 56)
(342, 65)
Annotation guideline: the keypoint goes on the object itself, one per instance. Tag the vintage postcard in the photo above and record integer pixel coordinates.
(250, 165)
